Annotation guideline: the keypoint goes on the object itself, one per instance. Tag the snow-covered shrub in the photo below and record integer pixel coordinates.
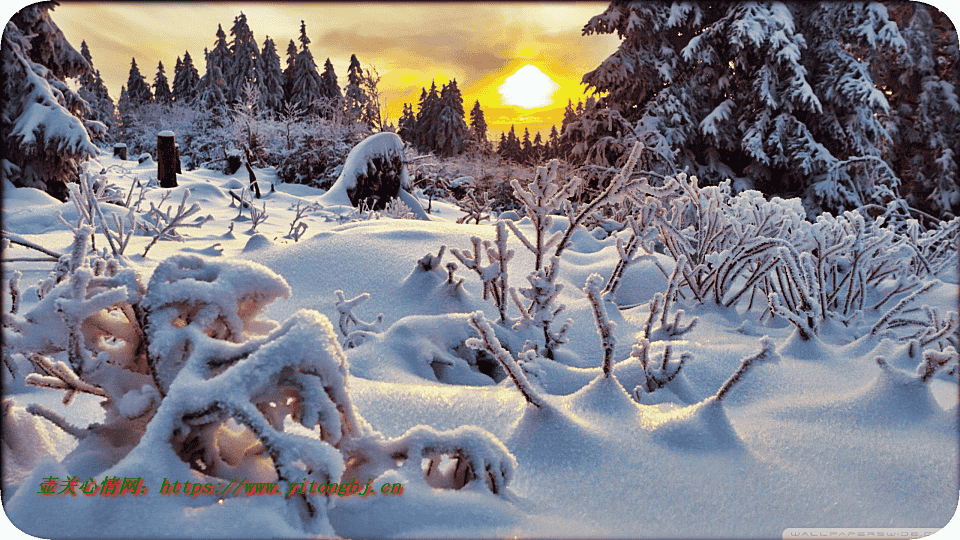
(543, 310)
(163, 225)
(193, 303)
(188, 371)
(605, 326)
(656, 375)
(542, 197)
(495, 274)
(362, 329)
(488, 341)
(85, 335)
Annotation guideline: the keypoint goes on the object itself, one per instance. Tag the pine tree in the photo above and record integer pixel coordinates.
(329, 89)
(569, 117)
(373, 114)
(43, 137)
(94, 92)
(212, 89)
(138, 91)
(307, 86)
(510, 148)
(478, 127)
(161, 89)
(245, 67)
(781, 96)
(538, 150)
(451, 129)
(925, 103)
(502, 146)
(273, 78)
(526, 148)
(355, 98)
(428, 113)
(186, 79)
(289, 72)
(553, 143)
(407, 125)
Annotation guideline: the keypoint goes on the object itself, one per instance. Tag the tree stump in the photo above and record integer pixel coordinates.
(177, 147)
(233, 162)
(167, 159)
(120, 150)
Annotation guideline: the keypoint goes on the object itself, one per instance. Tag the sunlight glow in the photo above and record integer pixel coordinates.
(528, 87)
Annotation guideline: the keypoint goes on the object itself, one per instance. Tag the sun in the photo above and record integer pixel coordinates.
(528, 87)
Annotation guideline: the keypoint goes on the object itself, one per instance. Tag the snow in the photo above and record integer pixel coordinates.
(385, 145)
(818, 435)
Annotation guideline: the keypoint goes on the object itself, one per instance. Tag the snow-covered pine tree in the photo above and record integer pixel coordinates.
(538, 148)
(329, 88)
(781, 96)
(925, 97)
(212, 90)
(847, 47)
(306, 91)
(161, 89)
(138, 91)
(354, 97)
(451, 129)
(43, 136)
(289, 72)
(245, 67)
(428, 112)
(273, 79)
(94, 91)
(373, 114)
(186, 79)
(478, 128)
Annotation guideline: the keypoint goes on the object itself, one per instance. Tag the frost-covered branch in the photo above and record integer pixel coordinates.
(57, 420)
(766, 352)
(494, 275)
(298, 227)
(257, 216)
(489, 342)
(541, 197)
(934, 360)
(883, 322)
(605, 326)
(21, 241)
(362, 328)
(165, 225)
(615, 190)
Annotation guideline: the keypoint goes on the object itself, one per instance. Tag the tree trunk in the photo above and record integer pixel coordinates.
(167, 159)
(120, 150)
(176, 147)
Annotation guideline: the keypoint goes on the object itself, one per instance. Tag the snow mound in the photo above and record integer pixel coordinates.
(368, 175)
(701, 427)
(257, 242)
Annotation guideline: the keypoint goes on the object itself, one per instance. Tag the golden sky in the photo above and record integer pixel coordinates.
(480, 45)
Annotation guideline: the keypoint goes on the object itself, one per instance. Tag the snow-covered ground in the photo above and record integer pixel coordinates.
(816, 435)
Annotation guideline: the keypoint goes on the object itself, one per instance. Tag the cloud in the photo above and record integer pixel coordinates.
(475, 59)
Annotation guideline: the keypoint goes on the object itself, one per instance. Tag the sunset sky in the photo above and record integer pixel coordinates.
(481, 45)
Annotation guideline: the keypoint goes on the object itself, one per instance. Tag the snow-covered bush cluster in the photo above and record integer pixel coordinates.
(189, 374)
